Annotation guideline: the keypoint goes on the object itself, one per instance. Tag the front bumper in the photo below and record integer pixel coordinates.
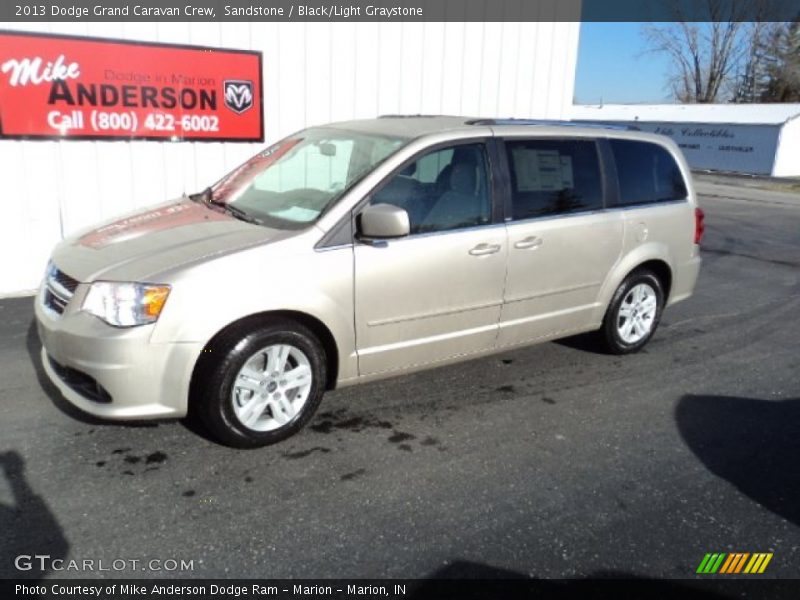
(137, 379)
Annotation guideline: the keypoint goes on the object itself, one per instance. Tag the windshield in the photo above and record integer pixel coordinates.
(291, 183)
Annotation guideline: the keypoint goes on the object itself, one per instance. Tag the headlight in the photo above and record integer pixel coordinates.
(126, 304)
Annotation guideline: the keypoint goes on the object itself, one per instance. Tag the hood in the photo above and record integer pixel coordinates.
(147, 243)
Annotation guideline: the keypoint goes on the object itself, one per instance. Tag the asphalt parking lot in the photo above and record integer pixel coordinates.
(551, 461)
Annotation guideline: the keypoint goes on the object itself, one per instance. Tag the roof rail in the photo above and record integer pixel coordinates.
(550, 122)
(409, 116)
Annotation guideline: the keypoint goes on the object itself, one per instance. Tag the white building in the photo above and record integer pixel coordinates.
(313, 73)
(757, 139)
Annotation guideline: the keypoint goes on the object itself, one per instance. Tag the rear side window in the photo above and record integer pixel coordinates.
(550, 177)
(647, 173)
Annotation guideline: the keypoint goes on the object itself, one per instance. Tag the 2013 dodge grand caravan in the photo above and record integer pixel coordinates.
(360, 250)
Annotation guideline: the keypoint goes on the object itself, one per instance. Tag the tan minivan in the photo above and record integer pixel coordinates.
(361, 250)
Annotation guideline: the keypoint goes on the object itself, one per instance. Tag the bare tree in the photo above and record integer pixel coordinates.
(706, 57)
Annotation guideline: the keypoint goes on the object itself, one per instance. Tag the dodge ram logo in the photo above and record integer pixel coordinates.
(238, 95)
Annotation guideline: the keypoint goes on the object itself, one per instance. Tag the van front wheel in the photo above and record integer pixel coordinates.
(262, 386)
(634, 313)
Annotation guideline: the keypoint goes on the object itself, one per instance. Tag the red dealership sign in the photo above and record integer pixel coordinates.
(83, 88)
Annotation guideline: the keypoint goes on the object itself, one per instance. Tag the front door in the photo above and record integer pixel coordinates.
(435, 294)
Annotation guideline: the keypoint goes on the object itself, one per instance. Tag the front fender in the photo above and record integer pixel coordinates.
(208, 297)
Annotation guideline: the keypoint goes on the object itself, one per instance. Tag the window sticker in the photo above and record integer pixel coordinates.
(549, 170)
(542, 170)
(526, 168)
(567, 180)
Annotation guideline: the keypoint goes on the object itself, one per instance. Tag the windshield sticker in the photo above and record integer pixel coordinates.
(241, 177)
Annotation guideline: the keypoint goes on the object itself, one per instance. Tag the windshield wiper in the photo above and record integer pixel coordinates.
(236, 212)
(207, 197)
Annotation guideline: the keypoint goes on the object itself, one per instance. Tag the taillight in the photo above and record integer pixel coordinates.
(699, 224)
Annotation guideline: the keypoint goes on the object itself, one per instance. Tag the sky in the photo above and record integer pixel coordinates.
(614, 66)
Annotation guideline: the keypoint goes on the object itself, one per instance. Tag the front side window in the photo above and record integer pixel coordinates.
(550, 177)
(443, 190)
(291, 183)
(647, 173)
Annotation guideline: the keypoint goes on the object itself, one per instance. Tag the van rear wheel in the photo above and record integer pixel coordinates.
(634, 313)
(261, 386)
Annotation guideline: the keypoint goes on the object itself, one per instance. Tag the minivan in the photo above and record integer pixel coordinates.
(362, 250)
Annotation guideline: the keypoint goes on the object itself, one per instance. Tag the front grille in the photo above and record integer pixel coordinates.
(81, 383)
(53, 302)
(64, 280)
(59, 289)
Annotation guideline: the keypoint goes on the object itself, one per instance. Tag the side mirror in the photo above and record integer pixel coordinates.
(382, 221)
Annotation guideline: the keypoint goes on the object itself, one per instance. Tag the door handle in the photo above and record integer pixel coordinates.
(529, 242)
(484, 249)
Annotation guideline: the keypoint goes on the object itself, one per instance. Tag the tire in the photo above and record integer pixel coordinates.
(623, 334)
(243, 400)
